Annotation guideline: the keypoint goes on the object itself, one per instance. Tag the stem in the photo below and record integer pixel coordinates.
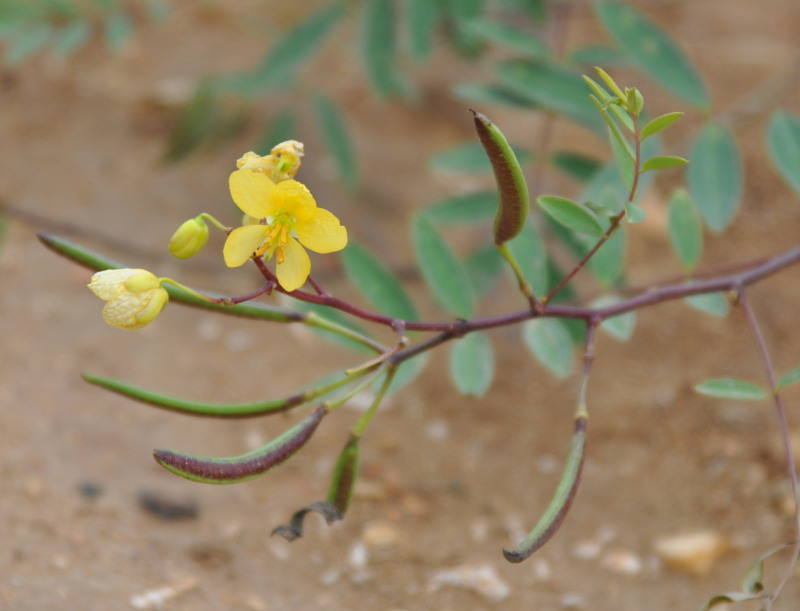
(780, 411)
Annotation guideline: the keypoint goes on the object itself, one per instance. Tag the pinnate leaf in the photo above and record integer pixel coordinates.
(569, 214)
(472, 364)
(731, 388)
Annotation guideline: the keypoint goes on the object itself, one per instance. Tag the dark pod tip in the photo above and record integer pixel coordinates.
(294, 530)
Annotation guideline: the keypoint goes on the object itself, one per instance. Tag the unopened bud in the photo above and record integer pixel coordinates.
(189, 239)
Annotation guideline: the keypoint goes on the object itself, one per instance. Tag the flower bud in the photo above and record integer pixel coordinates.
(189, 239)
(134, 296)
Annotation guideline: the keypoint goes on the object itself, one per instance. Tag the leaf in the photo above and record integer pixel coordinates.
(441, 270)
(280, 129)
(575, 165)
(654, 51)
(26, 41)
(469, 208)
(783, 142)
(685, 229)
(461, 13)
(290, 51)
(378, 285)
(511, 186)
(469, 158)
(423, 18)
(620, 327)
(472, 364)
(71, 37)
(483, 268)
(715, 176)
(378, 50)
(660, 123)
(570, 215)
(334, 134)
(118, 29)
(608, 262)
(599, 55)
(731, 388)
(790, 378)
(715, 304)
(663, 162)
(529, 250)
(550, 343)
(551, 86)
(501, 35)
(479, 94)
(622, 157)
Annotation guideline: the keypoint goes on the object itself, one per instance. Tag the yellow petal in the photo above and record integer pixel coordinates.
(252, 192)
(292, 197)
(242, 242)
(294, 271)
(109, 283)
(322, 232)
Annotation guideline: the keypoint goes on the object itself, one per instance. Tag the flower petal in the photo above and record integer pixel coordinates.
(294, 271)
(242, 242)
(252, 192)
(292, 197)
(322, 232)
(109, 283)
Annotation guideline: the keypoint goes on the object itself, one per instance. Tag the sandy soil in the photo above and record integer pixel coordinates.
(447, 480)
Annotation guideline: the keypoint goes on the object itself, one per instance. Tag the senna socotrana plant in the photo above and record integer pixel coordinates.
(281, 221)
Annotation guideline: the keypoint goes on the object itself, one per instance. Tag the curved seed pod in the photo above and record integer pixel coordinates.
(294, 530)
(513, 190)
(344, 475)
(562, 500)
(247, 466)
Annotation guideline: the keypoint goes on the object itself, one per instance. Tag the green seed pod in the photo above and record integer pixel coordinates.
(344, 475)
(513, 190)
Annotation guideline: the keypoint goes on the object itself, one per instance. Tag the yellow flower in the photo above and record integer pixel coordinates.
(281, 164)
(289, 220)
(135, 296)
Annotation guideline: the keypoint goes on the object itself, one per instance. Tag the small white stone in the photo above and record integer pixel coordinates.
(693, 552)
(481, 578)
(622, 561)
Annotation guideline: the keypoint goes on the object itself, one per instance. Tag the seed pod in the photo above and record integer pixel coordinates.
(562, 500)
(344, 476)
(294, 529)
(511, 186)
(247, 466)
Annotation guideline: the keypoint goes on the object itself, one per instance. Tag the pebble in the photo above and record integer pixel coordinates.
(158, 597)
(380, 535)
(622, 561)
(480, 578)
(694, 552)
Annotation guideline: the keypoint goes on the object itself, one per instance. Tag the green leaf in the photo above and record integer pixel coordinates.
(529, 250)
(570, 215)
(783, 141)
(469, 208)
(26, 41)
(376, 283)
(790, 378)
(479, 94)
(663, 162)
(483, 268)
(730, 597)
(654, 51)
(280, 129)
(608, 262)
(334, 133)
(731, 388)
(685, 229)
(634, 213)
(71, 37)
(622, 156)
(550, 343)
(461, 13)
(472, 364)
(660, 123)
(289, 52)
(620, 327)
(715, 176)
(441, 270)
(118, 29)
(552, 87)
(575, 165)
(423, 18)
(715, 304)
(501, 35)
(469, 158)
(599, 55)
(406, 373)
(378, 51)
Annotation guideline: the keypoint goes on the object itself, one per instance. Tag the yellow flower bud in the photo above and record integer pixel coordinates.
(135, 296)
(189, 239)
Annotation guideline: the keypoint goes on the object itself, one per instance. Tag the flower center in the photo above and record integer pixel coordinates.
(277, 235)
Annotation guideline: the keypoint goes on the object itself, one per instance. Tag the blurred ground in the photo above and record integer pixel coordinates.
(447, 480)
